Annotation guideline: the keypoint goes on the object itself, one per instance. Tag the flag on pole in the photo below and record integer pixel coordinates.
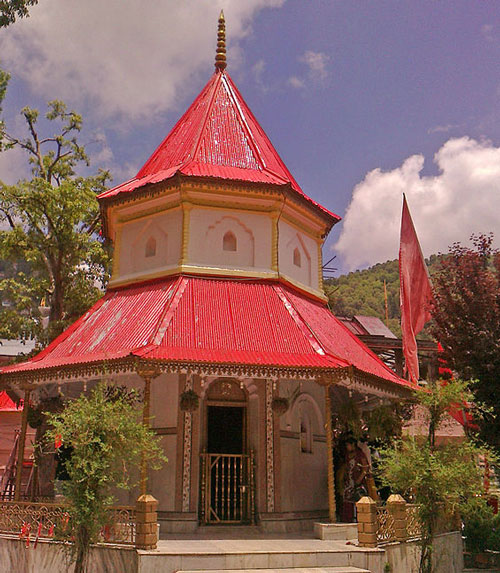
(415, 292)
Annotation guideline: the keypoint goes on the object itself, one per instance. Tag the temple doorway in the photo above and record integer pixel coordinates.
(226, 464)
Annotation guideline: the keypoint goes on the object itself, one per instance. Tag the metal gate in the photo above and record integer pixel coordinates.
(227, 488)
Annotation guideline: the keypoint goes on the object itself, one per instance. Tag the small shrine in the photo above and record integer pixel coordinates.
(216, 309)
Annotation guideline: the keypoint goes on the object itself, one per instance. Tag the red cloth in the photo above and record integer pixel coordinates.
(415, 291)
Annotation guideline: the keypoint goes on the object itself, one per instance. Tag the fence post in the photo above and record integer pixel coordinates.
(146, 533)
(367, 522)
(397, 508)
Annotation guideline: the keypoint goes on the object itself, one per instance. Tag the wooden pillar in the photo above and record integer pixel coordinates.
(329, 453)
(21, 444)
(147, 374)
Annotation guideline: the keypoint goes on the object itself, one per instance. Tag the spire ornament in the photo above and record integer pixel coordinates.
(220, 55)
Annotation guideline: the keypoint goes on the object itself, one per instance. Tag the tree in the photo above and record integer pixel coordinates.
(466, 313)
(445, 476)
(106, 440)
(53, 225)
(12, 9)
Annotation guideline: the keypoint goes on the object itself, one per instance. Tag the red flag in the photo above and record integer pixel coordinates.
(414, 291)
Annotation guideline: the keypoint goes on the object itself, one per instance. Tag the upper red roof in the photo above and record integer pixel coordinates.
(191, 319)
(218, 136)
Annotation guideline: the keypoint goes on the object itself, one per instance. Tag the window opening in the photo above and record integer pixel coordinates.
(296, 258)
(229, 242)
(305, 435)
(151, 247)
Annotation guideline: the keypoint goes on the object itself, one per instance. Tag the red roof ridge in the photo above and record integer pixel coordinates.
(302, 323)
(217, 136)
(176, 293)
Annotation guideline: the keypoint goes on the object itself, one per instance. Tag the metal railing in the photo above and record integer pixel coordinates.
(227, 488)
(33, 520)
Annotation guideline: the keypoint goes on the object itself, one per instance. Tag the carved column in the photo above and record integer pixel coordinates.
(147, 373)
(332, 509)
(186, 456)
(269, 447)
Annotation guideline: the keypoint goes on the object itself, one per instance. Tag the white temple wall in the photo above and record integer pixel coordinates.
(149, 244)
(298, 255)
(209, 230)
(303, 448)
(164, 412)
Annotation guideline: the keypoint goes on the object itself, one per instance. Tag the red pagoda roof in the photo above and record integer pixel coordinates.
(218, 137)
(213, 321)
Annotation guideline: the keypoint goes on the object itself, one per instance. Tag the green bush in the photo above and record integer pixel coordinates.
(478, 521)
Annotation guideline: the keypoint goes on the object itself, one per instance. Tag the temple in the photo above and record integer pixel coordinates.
(216, 309)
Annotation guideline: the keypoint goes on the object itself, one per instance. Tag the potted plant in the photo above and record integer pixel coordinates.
(189, 401)
(279, 405)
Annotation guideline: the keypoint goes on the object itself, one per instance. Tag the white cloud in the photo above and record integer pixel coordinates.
(317, 63)
(464, 198)
(128, 59)
(442, 128)
(258, 71)
(296, 82)
(487, 32)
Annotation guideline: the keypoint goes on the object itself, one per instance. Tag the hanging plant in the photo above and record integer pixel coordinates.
(189, 401)
(35, 417)
(279, 405)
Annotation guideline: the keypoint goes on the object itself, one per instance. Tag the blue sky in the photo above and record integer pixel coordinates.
(363, 100)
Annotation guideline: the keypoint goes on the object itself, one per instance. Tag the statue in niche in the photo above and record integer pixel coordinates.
(352, 478)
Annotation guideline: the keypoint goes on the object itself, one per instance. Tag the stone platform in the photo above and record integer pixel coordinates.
(290, 554)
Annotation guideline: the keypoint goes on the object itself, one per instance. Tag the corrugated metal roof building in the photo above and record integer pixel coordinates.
(217, 289)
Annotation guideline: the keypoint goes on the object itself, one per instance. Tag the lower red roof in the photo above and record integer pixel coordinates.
(7, 405)
(210, 320)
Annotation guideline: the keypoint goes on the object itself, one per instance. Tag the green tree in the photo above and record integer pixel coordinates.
(53, 225)
(107, 440)
(444, 476)
(12, 9)
(466, 313)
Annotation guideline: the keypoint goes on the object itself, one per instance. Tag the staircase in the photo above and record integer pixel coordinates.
(253, 552)
(8, 481)
(288, 570)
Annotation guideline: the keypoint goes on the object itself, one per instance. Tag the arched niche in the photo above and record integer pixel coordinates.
(304, 408)
(299, 259)
(149, 248)
(229, 242)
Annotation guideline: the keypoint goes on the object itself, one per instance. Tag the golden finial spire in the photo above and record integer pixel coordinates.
(220, 55)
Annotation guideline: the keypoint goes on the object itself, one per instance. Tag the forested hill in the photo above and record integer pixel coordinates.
(362, 292)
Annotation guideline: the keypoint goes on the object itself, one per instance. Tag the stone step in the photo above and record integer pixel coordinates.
(293, 570)
(263, 555)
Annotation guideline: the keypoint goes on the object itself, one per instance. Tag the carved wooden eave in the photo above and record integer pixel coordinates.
(349, 377)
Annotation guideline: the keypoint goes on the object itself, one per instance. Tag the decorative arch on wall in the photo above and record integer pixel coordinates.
(300, 258)
(231, 232)
(225, 390)
(149, 248)
(304, 397)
